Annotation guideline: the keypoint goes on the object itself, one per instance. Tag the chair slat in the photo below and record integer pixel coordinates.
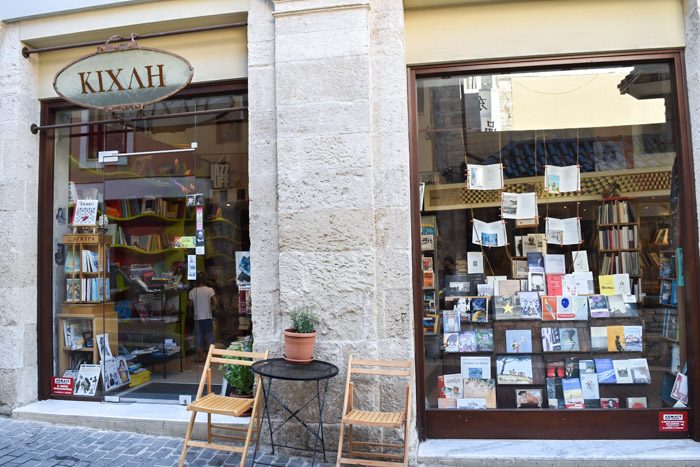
(231, 361)
(384, 363)
(239, 353)
(378, 372)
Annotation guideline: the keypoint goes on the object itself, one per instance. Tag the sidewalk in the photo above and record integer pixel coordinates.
(30, 443)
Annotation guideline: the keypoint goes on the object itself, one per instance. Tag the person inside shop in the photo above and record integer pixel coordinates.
(201, 298)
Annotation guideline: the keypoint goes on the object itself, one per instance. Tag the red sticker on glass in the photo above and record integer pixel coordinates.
(673, 421)
(62, 386)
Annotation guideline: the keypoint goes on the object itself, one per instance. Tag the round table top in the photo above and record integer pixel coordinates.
(279, 368)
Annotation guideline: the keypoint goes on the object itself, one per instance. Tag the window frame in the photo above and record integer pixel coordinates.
(561, 424)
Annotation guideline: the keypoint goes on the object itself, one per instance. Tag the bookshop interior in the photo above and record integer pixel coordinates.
(552, 271)
(149, 244)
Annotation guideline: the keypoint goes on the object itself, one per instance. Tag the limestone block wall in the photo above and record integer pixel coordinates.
(329, 167)
(19, 161)
(692, 77)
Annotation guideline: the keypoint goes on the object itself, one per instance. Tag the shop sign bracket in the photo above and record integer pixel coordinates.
(113, 157)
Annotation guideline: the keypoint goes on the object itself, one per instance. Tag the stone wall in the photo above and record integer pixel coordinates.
(329, 190)
(19, 159)
(692, 77)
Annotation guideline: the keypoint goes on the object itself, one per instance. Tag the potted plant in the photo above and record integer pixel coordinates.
(300, 338)
(239, 378)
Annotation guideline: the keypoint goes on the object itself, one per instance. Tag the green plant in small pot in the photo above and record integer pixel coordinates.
(239, 378)
(300, 338)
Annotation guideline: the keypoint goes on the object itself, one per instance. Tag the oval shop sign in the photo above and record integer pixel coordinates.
(123, 79)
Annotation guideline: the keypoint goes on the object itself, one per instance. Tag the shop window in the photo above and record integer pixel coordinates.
(552, 273)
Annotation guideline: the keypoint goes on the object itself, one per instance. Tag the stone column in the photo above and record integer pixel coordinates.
(692, 76)
(330, 77)
(19, 162)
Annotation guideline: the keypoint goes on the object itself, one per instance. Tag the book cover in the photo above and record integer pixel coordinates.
(573, 395)
(530, 305)
(478, 308)
(580, 308)
(636, 402)
(514, 369)
(508, 287)
(616, 305)
(606, 283)
(598, 305)
(554, 284)
(451, 342)
(85, 213)
(616, 338)
(536, 282)
(550, 340)
(447, 403)
(580, 260)
(665, 293)
(633, 338)
(554, 264)
(477, 388)
(467, 341)
(571, 367)
(631, 310)
(475, 262)
(533, 243)
(450, 386)
(520, 269)
(622, 372)
(450, 321)
(565, 308)
(622, 284)
(679, 391)
(506, 308)
(639, 368)
(518, 341)
(586, 366)
(610, 403)
(87, 380)
(428, 280)
(528, 398)
(605, 370)
(535, 261)
(589, 386)
(599, 338)
(555, 369)
(472, 403)
(427, 262)
(72, 290)
(555, 393)
(484, 340)
(475, 367)
(549, 308)
(568, 337)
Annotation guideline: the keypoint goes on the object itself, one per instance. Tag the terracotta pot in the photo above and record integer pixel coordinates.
(299, 348)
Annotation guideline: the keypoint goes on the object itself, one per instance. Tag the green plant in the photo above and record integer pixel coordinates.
(239, 377)
(303, 319)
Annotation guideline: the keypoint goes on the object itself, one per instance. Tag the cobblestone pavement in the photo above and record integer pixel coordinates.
(30, 443)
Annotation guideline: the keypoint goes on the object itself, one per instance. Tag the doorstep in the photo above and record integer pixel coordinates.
(473, 452)
(152, 419)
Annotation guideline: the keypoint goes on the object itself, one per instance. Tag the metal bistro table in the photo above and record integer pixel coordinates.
(279, 368)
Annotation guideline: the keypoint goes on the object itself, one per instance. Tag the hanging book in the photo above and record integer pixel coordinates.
(489, 234)
(519, 206)
(563, 231)
(562, 179)
(485, 177)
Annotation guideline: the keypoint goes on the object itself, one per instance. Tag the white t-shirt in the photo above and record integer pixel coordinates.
(201, 297)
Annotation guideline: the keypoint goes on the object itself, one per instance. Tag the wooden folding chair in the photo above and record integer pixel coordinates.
(225, 405)
(373, 453)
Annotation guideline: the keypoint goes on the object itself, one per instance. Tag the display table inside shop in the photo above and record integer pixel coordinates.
(149, 335)
(279, 369)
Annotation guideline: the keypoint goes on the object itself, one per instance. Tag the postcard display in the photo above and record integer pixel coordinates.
(552, 334)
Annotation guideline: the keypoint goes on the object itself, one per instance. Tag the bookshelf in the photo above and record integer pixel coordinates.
(618, 228)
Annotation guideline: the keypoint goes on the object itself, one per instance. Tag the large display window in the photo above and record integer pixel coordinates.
(138, 298)
(552, 276)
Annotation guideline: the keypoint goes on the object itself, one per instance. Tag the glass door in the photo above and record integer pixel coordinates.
(171, 202)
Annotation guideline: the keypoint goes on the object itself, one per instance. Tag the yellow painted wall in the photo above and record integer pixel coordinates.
(531, 28)
(215, 55)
